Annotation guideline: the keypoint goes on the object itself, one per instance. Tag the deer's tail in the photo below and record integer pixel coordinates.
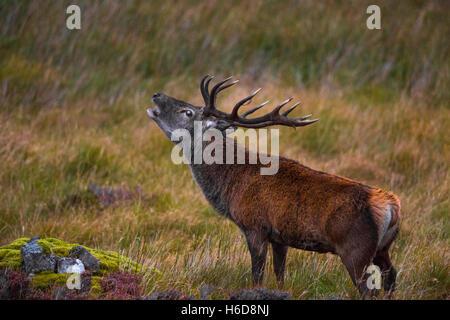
(385, 208)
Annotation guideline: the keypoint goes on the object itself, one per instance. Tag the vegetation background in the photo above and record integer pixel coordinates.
(72, 112)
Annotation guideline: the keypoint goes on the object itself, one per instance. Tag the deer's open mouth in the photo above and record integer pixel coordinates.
(153, 113)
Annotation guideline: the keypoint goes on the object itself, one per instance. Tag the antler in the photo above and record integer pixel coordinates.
(270, 119)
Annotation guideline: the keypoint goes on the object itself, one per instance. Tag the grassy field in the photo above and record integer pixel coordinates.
(72, 112)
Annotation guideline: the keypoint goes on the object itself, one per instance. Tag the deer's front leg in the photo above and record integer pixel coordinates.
(279, 261)
(257, 244)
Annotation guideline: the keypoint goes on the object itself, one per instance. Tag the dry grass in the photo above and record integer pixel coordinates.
(72, 113)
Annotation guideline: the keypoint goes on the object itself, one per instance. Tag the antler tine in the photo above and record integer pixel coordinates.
(284, 114)
(246, 113)
(276, 111)
(204, 87)
(211, 105)
(306, 122)
(242, 102)
(305, 117)
(219, 84)
(227, 86)
(207, 83)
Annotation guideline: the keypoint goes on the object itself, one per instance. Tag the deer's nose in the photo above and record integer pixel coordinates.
(156, 95)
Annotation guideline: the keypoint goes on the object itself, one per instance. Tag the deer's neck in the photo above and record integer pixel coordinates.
(218, 181)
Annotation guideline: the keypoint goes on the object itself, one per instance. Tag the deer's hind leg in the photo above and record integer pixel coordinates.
(356, 264)
(257, 245)
(357, 254)
(388, 271)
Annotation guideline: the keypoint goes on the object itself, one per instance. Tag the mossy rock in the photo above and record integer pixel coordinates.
(110, 261)
(11, 258)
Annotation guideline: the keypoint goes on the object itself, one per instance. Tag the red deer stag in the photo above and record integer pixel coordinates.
(297, 207)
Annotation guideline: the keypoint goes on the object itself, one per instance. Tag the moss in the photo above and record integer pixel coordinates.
(47, 280)
(16, 244)
(10, 259)
(10, 256)
(109, 261)
(96, 288)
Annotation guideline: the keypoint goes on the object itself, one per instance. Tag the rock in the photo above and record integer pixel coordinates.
(34, 260)
(90, 262)
(206, 290)
(109, 196)
(70, 265)
(114, 196)
(260, 294)
(4, 284)
(32, 247)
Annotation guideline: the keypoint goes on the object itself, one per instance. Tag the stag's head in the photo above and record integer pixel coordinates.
(171, 114)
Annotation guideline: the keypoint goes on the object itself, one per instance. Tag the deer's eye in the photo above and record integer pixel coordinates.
(189, 113)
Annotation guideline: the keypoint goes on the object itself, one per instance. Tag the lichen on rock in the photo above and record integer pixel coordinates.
(34, 260)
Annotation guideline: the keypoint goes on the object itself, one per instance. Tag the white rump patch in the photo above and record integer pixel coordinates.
(385, 224)
(386, 233)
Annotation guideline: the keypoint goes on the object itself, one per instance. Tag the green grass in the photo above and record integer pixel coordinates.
(72, 112)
